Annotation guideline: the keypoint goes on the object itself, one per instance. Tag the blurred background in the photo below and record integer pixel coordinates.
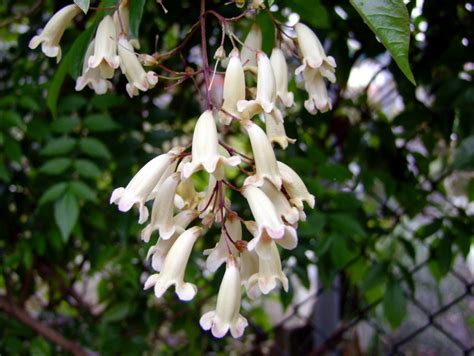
(382, 265)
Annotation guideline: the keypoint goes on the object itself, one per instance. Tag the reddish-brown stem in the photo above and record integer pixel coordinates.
(39, 327)
(232, 150)
(205, 60)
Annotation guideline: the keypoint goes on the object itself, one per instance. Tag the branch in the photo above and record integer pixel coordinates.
(42, 329)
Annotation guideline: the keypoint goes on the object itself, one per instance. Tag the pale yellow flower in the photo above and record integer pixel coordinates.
(252, 44)
(53, 31)
(226, 315)
(295, 187)
(174, 266)
(142, 184)
(205, 149)
(280, 70)
(105, 50)
(275, 129)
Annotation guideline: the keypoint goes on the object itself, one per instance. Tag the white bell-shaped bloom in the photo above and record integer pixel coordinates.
(205, 149)
(264, 213)
(266, 89)
(252, 44)
(91, 76)
(53, 31)
(133, 70)
(219, 253)
(281, 204)
(269, 272)
(174, 266)
(318, 99)
(295, 187)
(234, 89)
(248, 267)
(142, 184)
(275, 129)
(265, 160)
(470, 260)
(313, 53)
(159, 251)
(169, 171)
(280, 70)
(226, 316)
(162, 211)
(105, 50)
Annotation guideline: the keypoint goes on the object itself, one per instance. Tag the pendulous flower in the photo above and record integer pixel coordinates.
(266, 89)
(137, 78)
(234, 89)
(174, 266)
(159, 251)
(142, 184)
(318, 95)
(226, 315)
(313, 53)
(275, 129)
(269, 272)
(105, 50)
(53, 31)
(295, 187)
(163, 208)
(265, 160)
(91, 76)
(205, 149)
(280, 70)
(252, 44)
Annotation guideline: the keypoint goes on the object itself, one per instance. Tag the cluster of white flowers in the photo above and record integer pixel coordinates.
(274, 191)
(109, 50)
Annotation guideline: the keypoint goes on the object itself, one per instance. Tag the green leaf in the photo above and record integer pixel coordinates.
(136, 13)
(64, 124)
(58, 146)
(117, 312)
(83, 4)
(390, 22)
(82, 190)
(53, 193)
(11, 119)
(394, 304)
(346, 224)
(12, 149)
(464, 156)
(55, 166)
(66, 213)
(87, 168)
(374, 277)
(100, 122)
(94, 148)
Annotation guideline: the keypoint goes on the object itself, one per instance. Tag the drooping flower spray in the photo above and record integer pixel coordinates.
(180, 214)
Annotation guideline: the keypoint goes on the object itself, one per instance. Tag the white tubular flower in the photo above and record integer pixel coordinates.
(281, 204)
(205, 148)
(91, 76)
(318, 95)
(188, 196)
(248, 267)
(142, 184)
(313, 53)
(269, 272)
(264, 213)
(133, 70)
(219, 253)
(280, 70)
(226, 316)
(105, 51)
(265, 160)
(295, 187)
(234, 89)
(159, 251)
(174, 267)
(252, 44)
(275, 129)
(53, 31)
(162, 211)
(122, 19)
(266, 89)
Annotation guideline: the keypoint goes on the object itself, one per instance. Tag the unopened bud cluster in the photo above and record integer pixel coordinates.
(180, 215)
